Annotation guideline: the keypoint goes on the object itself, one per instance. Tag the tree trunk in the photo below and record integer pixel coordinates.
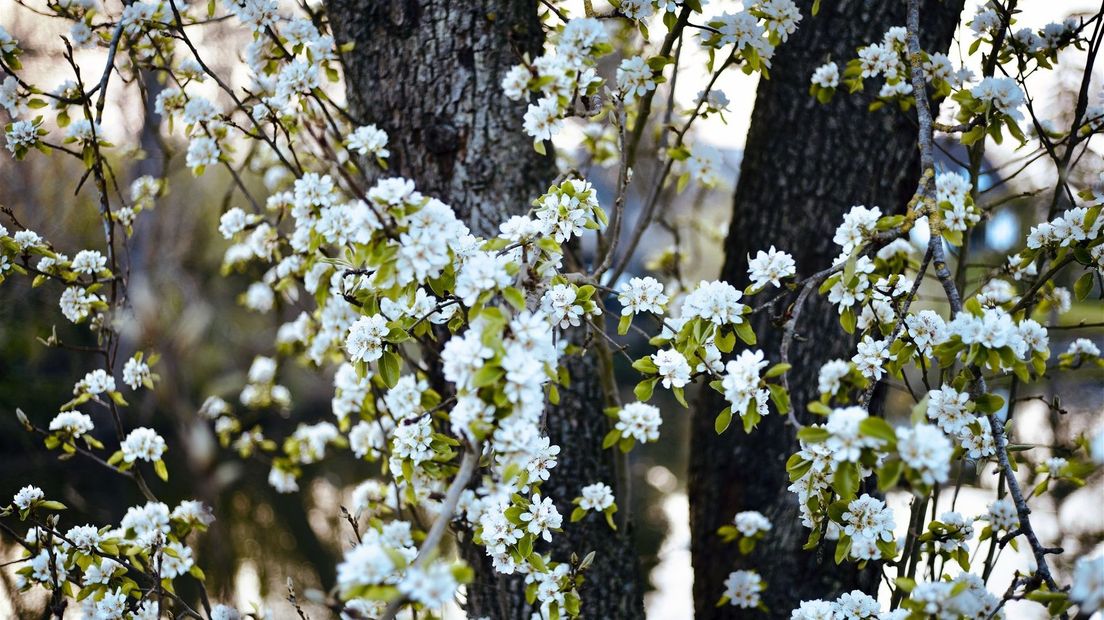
(428, 73)
(804, 165)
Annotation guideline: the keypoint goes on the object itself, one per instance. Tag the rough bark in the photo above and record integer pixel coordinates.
(804, 165)
(428, 72)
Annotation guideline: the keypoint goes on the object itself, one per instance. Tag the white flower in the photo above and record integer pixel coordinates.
(877, 59)
(559, 303)
(313, 439)
(868, 520)
(82, 131)
(959, 531)
(826, 75)
(782, 17)
(831, 374)
(751, 523)
(84, 537)
(27, 496)
(717, 302)
(233, 222)
(483, 271)
(143, 444)
(412, 441)
(282, 480)
(1083, 346)
(741, 380)
(925, 449)
(1088, 584)
(199, 110)
(432, 587)
(202, 151)
(95, 382)
(542, 121)
(844, 443)
(642, 295)
(871, 355)
(364, 565)
(705, 164)
(136, 373)
(365, 340)
(742, 588)
(1003, 515)
(858, 223)
(634, 78)
(1003, 93)
(193, 512)
(857, 605)
(516, 82)
(21, 135)
(596, 497)
(73, 423)
(9, 92)
(926, 328)
(672, 368)
(369, 140)
(640, 421)
(89, 262)
(770, 267)
(542, 517)
(814, 610)
(947, 407)
(177, 563)
(45, 568)
(637, 9)
(259, 297)
(147, 521)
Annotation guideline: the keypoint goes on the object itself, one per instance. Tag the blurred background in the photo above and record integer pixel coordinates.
(185, 309)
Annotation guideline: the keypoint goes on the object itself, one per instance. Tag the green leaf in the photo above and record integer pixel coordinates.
(1083, 286)
(389, 366)
(989, 403)
(777, 370)
(846, 480)
(843, 546)
(879, 429)
(848, 320)
(745, 333)
(680, 396)
(724, 419)
(161, 469)
(645, 365)
(611, 438)
(644, 389)
(623, 324)
(515, 298)
(751, 418)
(889, 474)
(779, 397)
(813, 434)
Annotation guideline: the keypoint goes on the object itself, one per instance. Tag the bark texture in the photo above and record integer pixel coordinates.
(804, 165)
(428, 72)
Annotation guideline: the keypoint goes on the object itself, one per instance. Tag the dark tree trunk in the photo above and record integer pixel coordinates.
(428, 73)
(804, 165)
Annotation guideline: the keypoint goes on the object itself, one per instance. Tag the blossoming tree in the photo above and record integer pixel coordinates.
(462, 301)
